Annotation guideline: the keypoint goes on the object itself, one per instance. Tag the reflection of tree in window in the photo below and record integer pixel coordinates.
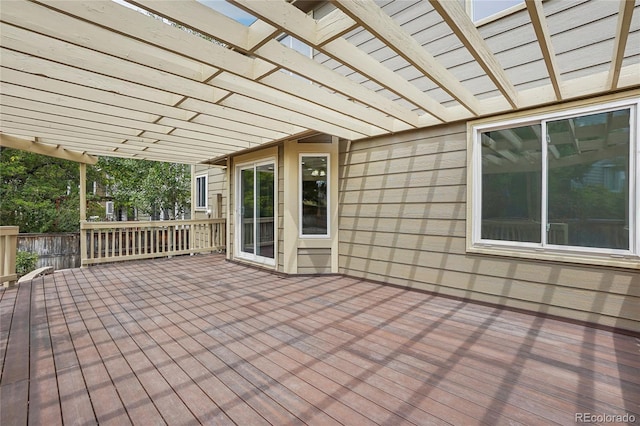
(314, 195)
(588, 182)
(511, 184)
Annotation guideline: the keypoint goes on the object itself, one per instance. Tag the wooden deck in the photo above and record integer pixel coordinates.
(196, 339)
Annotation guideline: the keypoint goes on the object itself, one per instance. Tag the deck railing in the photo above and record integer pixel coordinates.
(118, 241)
(8, 251)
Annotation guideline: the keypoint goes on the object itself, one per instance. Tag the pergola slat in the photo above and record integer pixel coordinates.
(192, 14)
(373, 18)
(622, 34)
(297, 23)
(334, 25)
(131, 84)
(193, 46)
(539, 22)
(307, 67)
(460, 23)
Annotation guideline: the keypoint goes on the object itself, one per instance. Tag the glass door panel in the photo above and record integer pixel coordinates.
(257, 205)
(247, 226)
(265, 206)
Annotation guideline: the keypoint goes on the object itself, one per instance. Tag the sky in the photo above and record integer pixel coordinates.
(230, 10)
(221, 6)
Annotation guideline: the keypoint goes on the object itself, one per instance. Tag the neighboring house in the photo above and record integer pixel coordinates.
(208, 192)
(405, 209)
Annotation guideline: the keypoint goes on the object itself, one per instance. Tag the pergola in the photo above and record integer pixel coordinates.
(87, 78)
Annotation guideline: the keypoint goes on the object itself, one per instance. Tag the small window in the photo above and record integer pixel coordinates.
(560, 183)
(109, 209)
(201, 192)
(481, 9)
(314, 194)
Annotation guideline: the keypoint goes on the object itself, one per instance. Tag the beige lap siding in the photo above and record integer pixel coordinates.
(402, 221)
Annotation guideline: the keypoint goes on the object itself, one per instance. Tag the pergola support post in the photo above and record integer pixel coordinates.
(83, 209)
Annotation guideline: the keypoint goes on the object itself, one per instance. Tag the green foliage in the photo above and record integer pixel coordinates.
(38, 193)
(41, 194)
(148, 185)
(570, 197)
(25, 262)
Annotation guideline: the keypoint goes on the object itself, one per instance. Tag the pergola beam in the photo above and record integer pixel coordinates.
(295, 22)
(464, 28)
(142, 27)
(335, 24)
(198, 18)
(625, 14)
(95, 75)
(373, 18)
(9, 141)
(539, 22)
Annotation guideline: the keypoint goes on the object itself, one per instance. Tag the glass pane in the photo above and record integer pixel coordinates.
(314, 195)
(246, 195)
(201, 192)
(589, 180)
(265, 207)
(511, 184)
(485, 8)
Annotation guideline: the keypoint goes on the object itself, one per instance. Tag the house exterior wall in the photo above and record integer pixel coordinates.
(402, 219)
(216, 192)
(309, 254)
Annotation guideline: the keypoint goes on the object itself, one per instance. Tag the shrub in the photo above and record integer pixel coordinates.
(25, 262)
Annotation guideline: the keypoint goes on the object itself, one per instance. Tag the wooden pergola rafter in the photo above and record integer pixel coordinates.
(102, 78)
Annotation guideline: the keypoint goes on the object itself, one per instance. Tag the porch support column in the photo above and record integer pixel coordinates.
(83, 211)
(193, 192)
(83, 192)
(231, 217)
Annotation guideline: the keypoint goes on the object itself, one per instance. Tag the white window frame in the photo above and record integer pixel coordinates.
(206, 193)
(542, 250)
(328, 180)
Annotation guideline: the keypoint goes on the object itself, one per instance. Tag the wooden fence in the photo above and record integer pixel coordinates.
(117, 241)
(60, 250)
(8, 250)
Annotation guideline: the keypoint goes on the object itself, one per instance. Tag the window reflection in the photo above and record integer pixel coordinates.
(511, 184)
(588, 179)
(314, 173)
(587, 182)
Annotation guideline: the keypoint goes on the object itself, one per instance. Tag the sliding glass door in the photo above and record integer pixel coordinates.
(256, 203)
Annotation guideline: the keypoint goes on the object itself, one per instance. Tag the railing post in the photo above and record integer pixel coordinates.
(83, 243)
(8, 251)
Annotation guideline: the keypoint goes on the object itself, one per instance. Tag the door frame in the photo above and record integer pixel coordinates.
(238, 253)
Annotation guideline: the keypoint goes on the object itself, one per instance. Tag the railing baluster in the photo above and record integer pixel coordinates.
(115, 241)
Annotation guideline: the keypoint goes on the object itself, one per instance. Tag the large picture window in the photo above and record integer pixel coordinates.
(558, 183)
(314, 195)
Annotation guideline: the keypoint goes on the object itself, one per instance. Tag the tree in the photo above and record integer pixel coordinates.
(39, 193)
(149, 186)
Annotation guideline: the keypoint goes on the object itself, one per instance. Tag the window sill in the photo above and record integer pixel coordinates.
(615, 261)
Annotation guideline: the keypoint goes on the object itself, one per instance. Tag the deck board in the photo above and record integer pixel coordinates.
(196, 339)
